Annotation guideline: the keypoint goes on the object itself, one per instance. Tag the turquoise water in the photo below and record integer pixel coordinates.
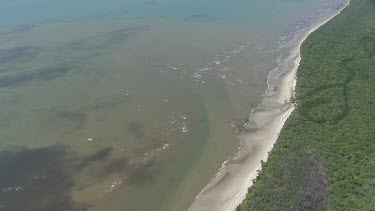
(241, 12)
(130, 105)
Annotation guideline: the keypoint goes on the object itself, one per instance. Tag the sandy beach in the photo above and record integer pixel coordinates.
(229, 187)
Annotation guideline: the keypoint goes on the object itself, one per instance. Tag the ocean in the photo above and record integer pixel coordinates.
(131, 105)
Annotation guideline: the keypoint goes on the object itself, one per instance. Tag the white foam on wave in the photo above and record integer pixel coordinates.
(226, 195)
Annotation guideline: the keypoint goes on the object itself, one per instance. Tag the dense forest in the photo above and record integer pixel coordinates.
(325, 156)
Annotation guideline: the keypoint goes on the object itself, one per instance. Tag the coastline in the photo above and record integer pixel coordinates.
(230, 185)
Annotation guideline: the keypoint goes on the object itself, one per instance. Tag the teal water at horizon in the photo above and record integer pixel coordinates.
(240, 12)
(130, 105)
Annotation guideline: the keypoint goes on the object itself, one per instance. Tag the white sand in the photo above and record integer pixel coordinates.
(229, 187)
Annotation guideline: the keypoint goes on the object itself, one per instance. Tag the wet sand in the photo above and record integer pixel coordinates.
(126, 109)
(229, 187)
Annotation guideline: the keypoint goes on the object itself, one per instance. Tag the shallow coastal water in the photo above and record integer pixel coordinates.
(229, 186)
(130, 105)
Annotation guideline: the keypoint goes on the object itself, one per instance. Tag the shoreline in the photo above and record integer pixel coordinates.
(230, 185)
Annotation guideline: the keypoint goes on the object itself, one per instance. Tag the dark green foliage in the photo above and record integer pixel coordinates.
(325, 156)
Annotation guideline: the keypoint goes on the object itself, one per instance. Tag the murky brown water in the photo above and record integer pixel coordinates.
(126, 114)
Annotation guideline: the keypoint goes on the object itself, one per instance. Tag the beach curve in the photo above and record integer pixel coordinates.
(230, 185)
